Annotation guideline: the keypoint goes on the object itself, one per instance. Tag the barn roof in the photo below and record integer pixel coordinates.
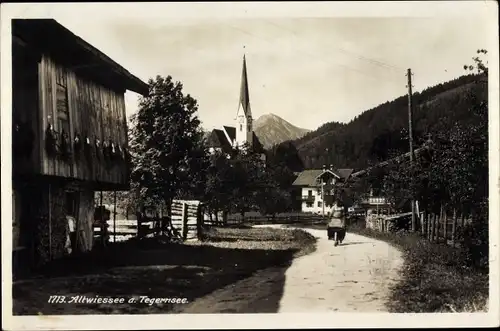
(49, 37)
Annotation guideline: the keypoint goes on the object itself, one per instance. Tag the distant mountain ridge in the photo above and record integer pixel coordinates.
(272, 130)
(381, 131)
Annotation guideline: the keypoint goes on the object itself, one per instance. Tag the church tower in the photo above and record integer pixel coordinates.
(244, 124)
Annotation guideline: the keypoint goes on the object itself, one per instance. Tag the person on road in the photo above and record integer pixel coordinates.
(336, 227)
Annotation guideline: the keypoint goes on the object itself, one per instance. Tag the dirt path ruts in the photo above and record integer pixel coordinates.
(353, 277)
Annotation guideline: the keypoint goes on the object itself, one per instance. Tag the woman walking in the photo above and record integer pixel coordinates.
(336, 227)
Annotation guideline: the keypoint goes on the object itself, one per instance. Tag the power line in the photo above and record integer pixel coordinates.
(315, 56)
(360, 57)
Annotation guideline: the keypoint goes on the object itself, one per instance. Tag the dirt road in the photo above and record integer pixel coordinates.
(353, 277)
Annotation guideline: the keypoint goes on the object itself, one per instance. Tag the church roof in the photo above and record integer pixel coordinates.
(244, 95)
(218, 139)
(257, 145)
(231, 131)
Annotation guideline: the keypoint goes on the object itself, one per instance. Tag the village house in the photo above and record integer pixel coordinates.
(242, 134)
(318, 188)
(69, 138)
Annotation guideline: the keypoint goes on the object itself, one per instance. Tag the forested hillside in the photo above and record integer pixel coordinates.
(380, 132)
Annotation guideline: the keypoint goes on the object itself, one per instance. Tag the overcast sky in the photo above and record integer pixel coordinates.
(307, 69)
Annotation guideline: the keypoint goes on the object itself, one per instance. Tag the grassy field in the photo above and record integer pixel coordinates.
(434, 278)
(159, 270)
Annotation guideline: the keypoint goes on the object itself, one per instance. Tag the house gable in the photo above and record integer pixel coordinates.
(323, 173)
(309, 177)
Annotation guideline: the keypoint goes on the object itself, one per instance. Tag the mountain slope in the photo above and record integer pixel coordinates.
(272, 129)
(380, 132)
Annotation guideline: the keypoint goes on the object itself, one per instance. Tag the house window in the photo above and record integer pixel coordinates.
(62, 102)
(309, 192)
(241, 127)
(309, 204)
(249, 127)
(319, 203)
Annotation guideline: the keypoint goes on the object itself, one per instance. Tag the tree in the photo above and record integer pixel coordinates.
(219, 185)
(285, 154)
(275, 192)
(247, 179)
(166, 144)
(457, 174)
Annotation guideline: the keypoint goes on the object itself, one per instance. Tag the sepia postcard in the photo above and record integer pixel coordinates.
(253, 165)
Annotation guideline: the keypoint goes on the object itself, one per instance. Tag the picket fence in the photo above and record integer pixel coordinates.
(185, 215)
(443, 226)
(186, 218)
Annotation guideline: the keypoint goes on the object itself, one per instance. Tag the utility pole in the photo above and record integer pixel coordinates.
(410, 138)
(323, 184)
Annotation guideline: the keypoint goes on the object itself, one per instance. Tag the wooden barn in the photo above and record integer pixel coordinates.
(69, 137)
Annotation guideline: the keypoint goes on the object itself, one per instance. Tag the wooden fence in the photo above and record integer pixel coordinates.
(443, 226)
(122, 230)
(186, 218)
(383, 222)
(286, 218)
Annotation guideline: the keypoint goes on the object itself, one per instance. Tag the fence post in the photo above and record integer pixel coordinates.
(427, 223)
(438, 225)
(184, 221)
(424, 224)
(454, 227)
(434, 226)
(421, 217)
(199, 222)
(429, 226)
(429, 232)
(445, 226)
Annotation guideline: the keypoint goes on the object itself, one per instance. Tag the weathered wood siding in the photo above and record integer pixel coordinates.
(25, 108)
(94, 111)
(85, 220)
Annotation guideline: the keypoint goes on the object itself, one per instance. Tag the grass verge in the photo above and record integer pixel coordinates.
(158, 270)
(434, 278)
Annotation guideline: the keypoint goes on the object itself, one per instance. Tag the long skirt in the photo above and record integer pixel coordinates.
(340, 233)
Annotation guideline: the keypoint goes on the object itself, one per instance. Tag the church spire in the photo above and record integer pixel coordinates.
(244, 122)
(244, 95)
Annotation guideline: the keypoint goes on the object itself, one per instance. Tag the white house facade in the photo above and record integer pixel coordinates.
(317, 188)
